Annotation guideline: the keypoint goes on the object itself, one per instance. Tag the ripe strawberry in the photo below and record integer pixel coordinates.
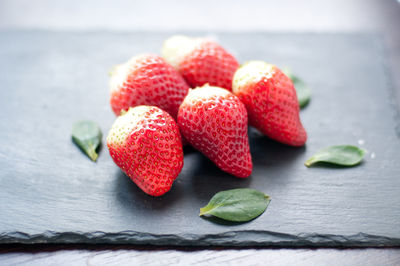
(214, 121)
(145, 143)
(200, 61)
(147, 80)
(271, 102)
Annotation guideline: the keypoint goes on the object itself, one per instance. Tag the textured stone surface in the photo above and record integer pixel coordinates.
(51, 193)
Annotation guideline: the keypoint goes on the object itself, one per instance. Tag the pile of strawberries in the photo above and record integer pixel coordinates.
(158, 111)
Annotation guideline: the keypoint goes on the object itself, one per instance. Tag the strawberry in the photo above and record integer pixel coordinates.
(147, 80)
(200, 61)
(214, 121)
(271, 102)
(146, 144)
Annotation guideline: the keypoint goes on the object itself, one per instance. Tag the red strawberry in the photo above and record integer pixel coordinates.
(271, 102)
(147, 80)
(145, 143)
(214, 121)
(200, 61)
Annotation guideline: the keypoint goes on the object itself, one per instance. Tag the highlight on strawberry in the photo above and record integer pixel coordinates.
(147, 79)
(271, 102)
(146, 144)
(200, 61)
(214, 121)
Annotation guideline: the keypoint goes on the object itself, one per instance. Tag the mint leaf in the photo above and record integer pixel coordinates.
(344, 155)
(87, 136)
(302, 90)
(237, 205)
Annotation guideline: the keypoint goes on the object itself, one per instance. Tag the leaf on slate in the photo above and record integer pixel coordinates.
(302, 90)
(87, 135)
(237, 205)
(345, 155)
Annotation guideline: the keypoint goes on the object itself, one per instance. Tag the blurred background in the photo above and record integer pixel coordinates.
(379, 16)
(226, 15)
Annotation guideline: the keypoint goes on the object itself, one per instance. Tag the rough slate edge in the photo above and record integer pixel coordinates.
(244, 238)
(227, 239)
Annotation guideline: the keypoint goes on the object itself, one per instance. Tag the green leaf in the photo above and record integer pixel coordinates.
(237, 205)
(344, 155)
(87, 135)
(302, 90)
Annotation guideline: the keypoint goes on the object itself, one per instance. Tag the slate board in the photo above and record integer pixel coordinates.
(52, 193)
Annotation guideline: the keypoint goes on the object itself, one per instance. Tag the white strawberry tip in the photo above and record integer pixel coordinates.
(120, 72)
(114, 70)
(205, 91)
(118, 75)
(251, 72)
(177, 47)
(125, 123)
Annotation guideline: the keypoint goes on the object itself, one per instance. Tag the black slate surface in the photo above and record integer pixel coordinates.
(51, 192)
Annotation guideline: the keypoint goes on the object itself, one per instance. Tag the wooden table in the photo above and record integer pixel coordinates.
(207, 15)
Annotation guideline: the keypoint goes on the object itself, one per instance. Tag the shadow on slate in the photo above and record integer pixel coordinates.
(334, 166)
(188, 149)
(223, 222)
(267, 152)
(129, 196)
(52, 193)
(207, 179)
